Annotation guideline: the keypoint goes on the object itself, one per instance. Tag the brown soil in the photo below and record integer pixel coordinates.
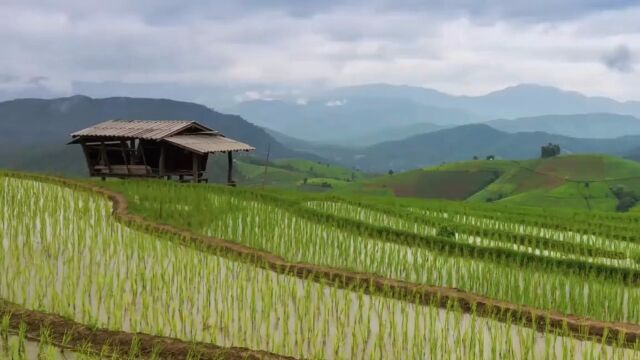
(117, 342)
(579, 327)
(581, 168)
(447, 184)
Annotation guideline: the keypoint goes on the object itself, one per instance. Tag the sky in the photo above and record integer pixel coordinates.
(244, 49)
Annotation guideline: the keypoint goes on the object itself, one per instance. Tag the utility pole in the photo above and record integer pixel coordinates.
(266, 166)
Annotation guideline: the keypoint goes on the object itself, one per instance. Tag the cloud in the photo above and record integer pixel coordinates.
(8, 78)
(37, 80)
(334, 103)
(252, 96)
(265, 49)
(619, 59)
(177, 12)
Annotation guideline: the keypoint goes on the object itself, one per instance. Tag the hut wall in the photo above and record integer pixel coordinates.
(127, 157)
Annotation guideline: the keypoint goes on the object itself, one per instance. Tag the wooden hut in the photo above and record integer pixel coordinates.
(160, 149)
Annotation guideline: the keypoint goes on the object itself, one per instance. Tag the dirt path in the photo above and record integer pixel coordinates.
(118, 342)
(579, 327)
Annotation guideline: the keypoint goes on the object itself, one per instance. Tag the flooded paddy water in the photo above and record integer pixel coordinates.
(64, 253)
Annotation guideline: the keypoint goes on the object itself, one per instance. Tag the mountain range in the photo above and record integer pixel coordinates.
(463, 143)
(523, 100)
(373, 128)
(33, 132)
(348, 113)
(342, 120)
(595, 125)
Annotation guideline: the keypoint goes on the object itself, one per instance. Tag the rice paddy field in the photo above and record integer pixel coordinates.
(264, 274)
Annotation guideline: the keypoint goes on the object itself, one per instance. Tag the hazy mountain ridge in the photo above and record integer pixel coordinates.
(36, 130)
(48, 123)
(465, 142)
(334, 120)
(362, 112)
(595, 125)
(523, 100)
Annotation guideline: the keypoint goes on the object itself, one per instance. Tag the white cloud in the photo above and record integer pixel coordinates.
(333, 103)
(461, 49)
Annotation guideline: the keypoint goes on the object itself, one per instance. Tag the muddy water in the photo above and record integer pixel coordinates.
(34, 350)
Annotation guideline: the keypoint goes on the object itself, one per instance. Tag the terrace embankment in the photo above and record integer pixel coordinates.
(581, 328)
(71, 335)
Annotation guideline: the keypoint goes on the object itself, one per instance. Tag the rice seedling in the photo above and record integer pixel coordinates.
(368, 242)
(63, 252)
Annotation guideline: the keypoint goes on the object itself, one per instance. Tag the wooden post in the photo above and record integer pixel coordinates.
(230, 168)
(196, 170)
(105, 158)
(141, 150)
(85, 151)
(266, 166)
(124, 155)
(162, 160)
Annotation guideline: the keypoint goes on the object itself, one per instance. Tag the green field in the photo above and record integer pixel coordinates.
(299, 174)
(573, 181)
(270, 284)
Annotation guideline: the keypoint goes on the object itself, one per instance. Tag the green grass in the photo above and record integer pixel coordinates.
(291, 173)
(555, 182)
(252, 174)
(319, 170)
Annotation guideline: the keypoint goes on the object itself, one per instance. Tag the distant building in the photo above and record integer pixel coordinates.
(153, 148)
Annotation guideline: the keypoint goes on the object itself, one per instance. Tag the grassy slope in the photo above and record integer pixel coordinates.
(452, 181)
(319, 170)
(568, 181)
(252, 174)
(556, 182)
(292, 172)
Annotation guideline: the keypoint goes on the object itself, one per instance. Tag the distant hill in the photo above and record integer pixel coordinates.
(570, 181)
(465, 142)
(33, 132)
(633, 154)
(361, 113)
(389, 134)
(334, 120)
(292, 142)
(524, 100)
(599, 125)
(360, 141)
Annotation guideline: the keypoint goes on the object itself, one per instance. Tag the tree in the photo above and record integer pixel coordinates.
(625, 204)
(475, 157)
(390, 172)
(626, 198)
(491, 157)
(549, 150)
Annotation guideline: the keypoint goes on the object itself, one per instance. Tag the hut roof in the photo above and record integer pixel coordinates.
(137, 129)
(208, 143)
(205, 140)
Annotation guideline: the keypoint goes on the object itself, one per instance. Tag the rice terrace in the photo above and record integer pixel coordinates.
(339, 180)
(149, 268)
